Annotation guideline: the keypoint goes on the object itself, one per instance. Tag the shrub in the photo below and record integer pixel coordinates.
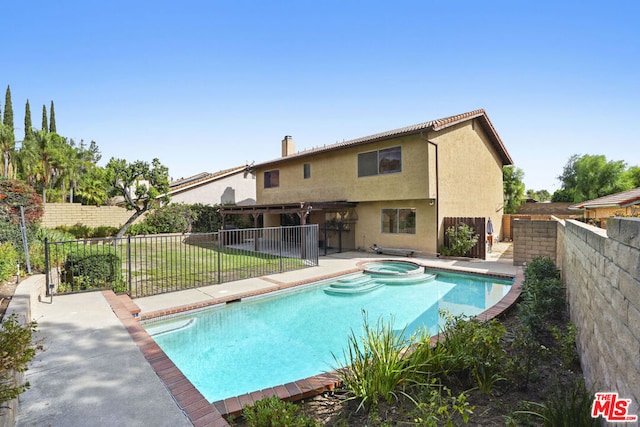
(174, 218)
(567, 406)
(374, 363)
(141, 229)
(543, 296)
(8, 261)
(88, 267)
(436, 406)
(54, 235)
(207, 219)
(565, 349)
(476, 350)
(542, 300)
(81, 231)
(103, 231)
(429, 361)
(16, 351)
(36, 245)
(14, 194)
(273, 412)
(541, 268)
(461, 239)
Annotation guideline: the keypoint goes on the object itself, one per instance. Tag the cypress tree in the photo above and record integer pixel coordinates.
(45, 126)
(28, 127)
(8, 109)
(52, 120)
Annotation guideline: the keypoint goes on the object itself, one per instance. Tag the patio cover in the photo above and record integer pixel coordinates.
(301, 208)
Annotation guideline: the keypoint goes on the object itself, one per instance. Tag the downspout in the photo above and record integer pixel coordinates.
(435, 145)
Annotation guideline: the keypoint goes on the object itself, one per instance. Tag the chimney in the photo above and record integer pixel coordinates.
(288, 147)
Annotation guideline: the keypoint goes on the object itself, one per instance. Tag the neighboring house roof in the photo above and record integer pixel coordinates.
(184, 184)
(434, 125)
(617, 200)
(546, 208)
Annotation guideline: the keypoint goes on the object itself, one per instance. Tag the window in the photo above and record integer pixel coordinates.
(307, 170)
(380, 162)
(272, 179)
(399, 221)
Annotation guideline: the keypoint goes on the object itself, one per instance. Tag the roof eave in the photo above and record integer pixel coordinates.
(434, 125)
(488, 128)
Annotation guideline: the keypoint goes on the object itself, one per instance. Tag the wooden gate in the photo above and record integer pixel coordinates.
(479, 225)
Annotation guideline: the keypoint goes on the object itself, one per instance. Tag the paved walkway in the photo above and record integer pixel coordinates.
(92, 372)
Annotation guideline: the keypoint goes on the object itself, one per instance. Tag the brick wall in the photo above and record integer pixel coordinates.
(534, 239)
(56, 214)
(601, 270)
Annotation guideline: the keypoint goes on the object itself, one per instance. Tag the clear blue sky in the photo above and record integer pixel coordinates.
(208, 85)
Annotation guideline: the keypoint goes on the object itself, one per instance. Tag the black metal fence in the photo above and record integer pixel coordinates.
(150, 265)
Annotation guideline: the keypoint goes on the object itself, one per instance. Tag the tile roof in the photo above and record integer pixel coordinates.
(201, 178)
(622, 199)
(546, 208)
(435, 125)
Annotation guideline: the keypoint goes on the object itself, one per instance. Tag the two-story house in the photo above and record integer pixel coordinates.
(394, 188)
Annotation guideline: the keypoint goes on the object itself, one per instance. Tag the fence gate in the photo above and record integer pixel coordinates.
(479, 225)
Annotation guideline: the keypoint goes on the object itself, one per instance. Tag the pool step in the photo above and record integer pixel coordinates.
(352, 282)
(353, 289)
(369, 282)
(412, 279)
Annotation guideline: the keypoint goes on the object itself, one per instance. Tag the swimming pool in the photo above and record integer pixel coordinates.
(262, 342)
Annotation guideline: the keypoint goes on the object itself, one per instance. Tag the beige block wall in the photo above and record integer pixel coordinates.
(534, 239)
(601, 269)
(56, 214)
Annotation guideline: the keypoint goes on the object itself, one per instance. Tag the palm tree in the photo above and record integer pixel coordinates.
(93, 186)
(26, 161)
(8, 146)
(44, 152)
(74, 164)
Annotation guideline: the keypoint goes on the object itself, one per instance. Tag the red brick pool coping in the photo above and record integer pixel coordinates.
(200, 412)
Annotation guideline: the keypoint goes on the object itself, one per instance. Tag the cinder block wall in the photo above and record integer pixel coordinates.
(601, 270)
(533, 239)
(70, 214)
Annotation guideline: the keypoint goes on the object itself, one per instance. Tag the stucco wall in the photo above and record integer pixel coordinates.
(70, 214)
(613, 211)
(601, 269)
(239, 189)
(369, 226)
(457, 168)
(469, 175)
(334, 176)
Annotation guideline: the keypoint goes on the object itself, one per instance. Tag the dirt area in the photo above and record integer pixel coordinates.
(7, 290)
(495, 409)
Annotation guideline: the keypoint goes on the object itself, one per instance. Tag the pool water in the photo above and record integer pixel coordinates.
(267, 341)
